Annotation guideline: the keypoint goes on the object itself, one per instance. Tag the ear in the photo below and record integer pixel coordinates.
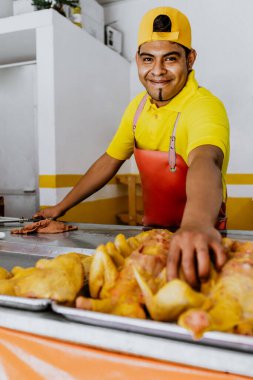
(137, 57)
(191, 58)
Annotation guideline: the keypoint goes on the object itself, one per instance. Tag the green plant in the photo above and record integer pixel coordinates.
(56, 4)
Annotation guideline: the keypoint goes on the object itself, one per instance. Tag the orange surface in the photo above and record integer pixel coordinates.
(29, 357)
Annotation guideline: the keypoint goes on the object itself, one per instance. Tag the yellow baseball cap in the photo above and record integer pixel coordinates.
(180, 27)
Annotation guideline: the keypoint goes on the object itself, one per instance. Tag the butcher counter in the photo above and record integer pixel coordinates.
(46, 344)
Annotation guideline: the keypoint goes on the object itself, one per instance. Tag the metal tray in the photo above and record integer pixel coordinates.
(24, 303)
(10, 259)
(159, 329)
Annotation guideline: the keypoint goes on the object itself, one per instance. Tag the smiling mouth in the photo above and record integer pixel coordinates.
(159, 83)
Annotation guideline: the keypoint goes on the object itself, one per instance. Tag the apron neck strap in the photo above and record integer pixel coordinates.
(139, 110)
(172, 149)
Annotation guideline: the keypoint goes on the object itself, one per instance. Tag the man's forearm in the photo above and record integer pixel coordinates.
(94, 179)
(204, 192)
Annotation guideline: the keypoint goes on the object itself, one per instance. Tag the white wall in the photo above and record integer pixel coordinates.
(6, 8)
(18, 140)
(83, 89)
(91, 93)
(222, 35)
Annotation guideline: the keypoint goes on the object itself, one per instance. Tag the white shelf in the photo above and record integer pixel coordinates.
(18, 35)
(18, 47)
(26, 21)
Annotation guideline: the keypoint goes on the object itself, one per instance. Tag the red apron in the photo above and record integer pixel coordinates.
(163, 178)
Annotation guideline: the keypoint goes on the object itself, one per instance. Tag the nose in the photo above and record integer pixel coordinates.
(158, 68)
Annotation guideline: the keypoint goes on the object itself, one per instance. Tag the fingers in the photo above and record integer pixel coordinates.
(203, 262)
(182, 256)
(185, 256)
(190, 253)
(189, 266)
(194, 263)
(220, 256)
(38, 215)
(48, 213)
(173, 261)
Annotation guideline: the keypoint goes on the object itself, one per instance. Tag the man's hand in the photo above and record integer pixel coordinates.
(191, 250)
(197, 241)
(98, 175)
(49, 213)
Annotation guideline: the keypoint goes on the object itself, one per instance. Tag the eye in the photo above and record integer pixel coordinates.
(171, 58)
(147, 59)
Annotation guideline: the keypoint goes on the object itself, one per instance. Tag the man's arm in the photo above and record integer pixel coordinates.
(94, 179)
(190, 245)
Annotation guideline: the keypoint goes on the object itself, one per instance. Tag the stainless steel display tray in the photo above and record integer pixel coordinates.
(25, 259)
(153, 328)
(10, 259)
(24, 303)
(19, 252)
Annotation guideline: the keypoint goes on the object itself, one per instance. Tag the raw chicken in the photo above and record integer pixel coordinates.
(127, 278)
(6, 287)
(4, 274)
(124, 276)
(45, 226)
(229, 305)
(59, 279)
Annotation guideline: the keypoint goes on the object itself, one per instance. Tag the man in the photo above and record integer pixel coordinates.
(179, 134)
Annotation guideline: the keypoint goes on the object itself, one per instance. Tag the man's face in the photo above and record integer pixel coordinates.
(163, 69)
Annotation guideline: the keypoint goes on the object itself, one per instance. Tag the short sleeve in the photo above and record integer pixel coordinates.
(207, 123)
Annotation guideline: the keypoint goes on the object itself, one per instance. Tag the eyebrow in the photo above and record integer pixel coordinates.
(165, 55)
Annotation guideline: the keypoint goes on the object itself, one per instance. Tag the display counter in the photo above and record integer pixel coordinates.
(43, 344)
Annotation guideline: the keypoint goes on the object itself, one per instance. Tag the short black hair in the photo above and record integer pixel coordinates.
(162, 23)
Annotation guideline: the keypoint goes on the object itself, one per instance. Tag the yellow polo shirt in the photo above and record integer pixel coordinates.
(203, 120)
